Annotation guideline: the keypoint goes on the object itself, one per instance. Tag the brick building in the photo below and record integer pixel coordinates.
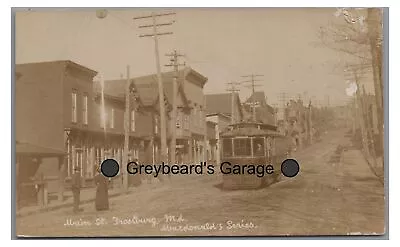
(54, 102)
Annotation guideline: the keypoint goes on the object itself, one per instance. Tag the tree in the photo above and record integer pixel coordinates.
(348, 35)
(359, 35)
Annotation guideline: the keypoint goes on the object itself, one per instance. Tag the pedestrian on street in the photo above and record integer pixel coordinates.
(76, 189)
(101, 202)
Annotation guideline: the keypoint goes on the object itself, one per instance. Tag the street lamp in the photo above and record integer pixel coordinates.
(101, 13)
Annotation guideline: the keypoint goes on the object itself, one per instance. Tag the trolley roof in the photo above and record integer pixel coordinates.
(251, 129)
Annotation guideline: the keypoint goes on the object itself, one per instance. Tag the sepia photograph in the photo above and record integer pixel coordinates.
(199, 122)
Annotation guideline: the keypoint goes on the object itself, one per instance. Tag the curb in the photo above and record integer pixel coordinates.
(65, 205)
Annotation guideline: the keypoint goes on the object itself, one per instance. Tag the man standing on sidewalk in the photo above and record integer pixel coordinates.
(76, 189)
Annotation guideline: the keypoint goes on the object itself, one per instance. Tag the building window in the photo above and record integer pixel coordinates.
(258, 146)
(227, 147)
(179, 120)
(201, 120)
(195, 121)
(112, 118)
(85, 109)
(186, 122)
(74, 106)
(133, 126)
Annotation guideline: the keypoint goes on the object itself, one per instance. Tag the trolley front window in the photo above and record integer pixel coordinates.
(242, 146)
(227, 147)
(258, 146)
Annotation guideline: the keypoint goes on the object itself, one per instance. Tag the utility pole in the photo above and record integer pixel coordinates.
(233, 89)
(310, 125)
(205, 147)
(252, 86)
(276, 107)
(360, 108)
(282, 97)
(369, 128)
(126, 130)
(175, 64)
(155, 35)
(374, 20)
(355, 72)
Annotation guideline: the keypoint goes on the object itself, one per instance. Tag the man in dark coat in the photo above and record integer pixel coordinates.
(76, 188)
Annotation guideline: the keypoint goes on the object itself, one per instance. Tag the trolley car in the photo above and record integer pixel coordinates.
(250, 143)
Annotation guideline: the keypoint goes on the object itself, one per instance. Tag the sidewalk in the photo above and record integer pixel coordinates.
(377, 166)
(354, 163)
(87, 195)
(363, 195)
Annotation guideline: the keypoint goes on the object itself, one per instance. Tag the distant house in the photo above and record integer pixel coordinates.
(264, 112)
(223, 103)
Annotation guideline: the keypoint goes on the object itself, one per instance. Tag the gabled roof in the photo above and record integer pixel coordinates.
(167, 77)
(221, 103)
(258, 97)
(147, 86)
(261, 99)
(264, 112)
(186, 73)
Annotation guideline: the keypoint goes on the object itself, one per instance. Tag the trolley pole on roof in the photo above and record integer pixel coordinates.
(232, 88)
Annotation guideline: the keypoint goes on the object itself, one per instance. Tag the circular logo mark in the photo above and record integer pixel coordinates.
(290, 168)
(109, 168)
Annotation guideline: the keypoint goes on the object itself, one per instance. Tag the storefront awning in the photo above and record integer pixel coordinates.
(27, 149)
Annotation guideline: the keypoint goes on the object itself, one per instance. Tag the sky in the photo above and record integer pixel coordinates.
(222, 44)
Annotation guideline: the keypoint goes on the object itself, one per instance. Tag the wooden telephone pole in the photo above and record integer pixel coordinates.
(232, 88)
(360, 111)
(155, 34)
(252, 86)
(282, 97)
(174, 62)
(310, 125)
(374, 22)
(126, 130)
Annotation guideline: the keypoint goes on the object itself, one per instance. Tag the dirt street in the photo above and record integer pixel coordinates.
(325, 198)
